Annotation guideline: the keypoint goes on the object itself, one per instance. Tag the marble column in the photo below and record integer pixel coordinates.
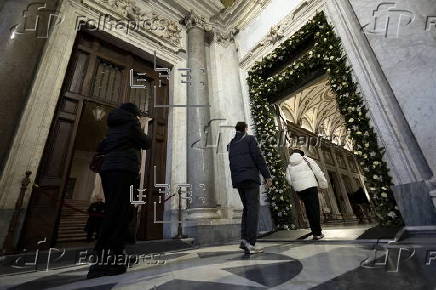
(199, 156)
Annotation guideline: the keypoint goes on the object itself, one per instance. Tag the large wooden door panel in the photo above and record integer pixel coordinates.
(47, 192)
(98, 72)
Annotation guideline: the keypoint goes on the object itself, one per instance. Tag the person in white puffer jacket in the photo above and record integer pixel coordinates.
(305, 177)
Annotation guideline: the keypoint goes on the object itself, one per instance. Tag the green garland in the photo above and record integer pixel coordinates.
(325, 56)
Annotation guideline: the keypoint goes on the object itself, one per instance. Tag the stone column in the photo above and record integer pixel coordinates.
(199, 157)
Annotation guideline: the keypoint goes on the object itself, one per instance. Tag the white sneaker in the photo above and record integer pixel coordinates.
(253, 250)
(316, 238)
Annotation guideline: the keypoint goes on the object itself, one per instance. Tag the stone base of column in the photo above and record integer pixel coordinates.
(417, 234)
(207, 226)
(203, 213)
(207, 232)
(432, 185)
(212, 226)
(416, 203)
(433, 197)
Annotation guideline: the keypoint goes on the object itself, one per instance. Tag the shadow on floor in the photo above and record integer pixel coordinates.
(379, 232)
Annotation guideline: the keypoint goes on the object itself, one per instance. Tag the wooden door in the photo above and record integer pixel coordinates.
(47, 195)
(98, 72)
(152, 212)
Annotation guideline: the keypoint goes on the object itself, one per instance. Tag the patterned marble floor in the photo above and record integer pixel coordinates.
(282, 266)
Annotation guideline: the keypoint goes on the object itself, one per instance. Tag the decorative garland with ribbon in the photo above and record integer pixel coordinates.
(325, 55)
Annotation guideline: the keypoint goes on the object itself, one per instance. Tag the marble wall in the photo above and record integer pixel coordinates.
(275, 11)
(406, 51)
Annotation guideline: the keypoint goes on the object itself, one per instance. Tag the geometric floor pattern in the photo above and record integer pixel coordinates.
(282, 266)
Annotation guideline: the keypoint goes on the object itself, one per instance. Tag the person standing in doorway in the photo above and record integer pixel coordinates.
(246, 161)
(121, 149)
(305, 177)
(96, 216)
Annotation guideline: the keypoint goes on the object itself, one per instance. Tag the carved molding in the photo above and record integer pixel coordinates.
(315, 108)
(283, 30)
(194, 20)
(144, 17)
(241, 13)
(224, 36)
(215, 32)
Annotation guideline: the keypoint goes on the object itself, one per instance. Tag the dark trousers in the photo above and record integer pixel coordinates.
(114, 228)
(250, 215)
(311, 203)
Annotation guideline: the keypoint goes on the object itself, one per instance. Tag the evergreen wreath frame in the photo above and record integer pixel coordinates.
(326, 56)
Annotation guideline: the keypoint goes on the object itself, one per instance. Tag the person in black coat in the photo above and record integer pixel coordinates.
(361, 205)
(96, 215)
(246, 161)
(119, 170)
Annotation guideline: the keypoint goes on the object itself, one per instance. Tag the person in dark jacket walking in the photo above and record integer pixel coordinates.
(120, 169)
(96, 216)
(246, 161)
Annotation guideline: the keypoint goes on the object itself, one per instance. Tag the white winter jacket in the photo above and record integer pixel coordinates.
(300, 176)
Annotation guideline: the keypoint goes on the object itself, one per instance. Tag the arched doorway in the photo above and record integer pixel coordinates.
(311, 54)
(313, 123)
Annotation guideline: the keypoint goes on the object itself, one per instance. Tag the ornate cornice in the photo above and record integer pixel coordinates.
(194, 20)
(215, 32)
(178, 9)
(224, 37)
(240, 13)
(283, 30)
(169, 30)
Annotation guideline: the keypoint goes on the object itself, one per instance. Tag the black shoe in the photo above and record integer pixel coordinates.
(113, 270)
(96, 271)
(243, 245)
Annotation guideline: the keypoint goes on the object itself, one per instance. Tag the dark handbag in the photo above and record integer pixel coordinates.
(96, 162)
(98, 158)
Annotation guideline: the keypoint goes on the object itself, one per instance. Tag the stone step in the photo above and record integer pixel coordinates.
(74, 212)
(80, 217)
(72, 234)
(73, 219)
(77, 217)
(70, 239)
(69, 231)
